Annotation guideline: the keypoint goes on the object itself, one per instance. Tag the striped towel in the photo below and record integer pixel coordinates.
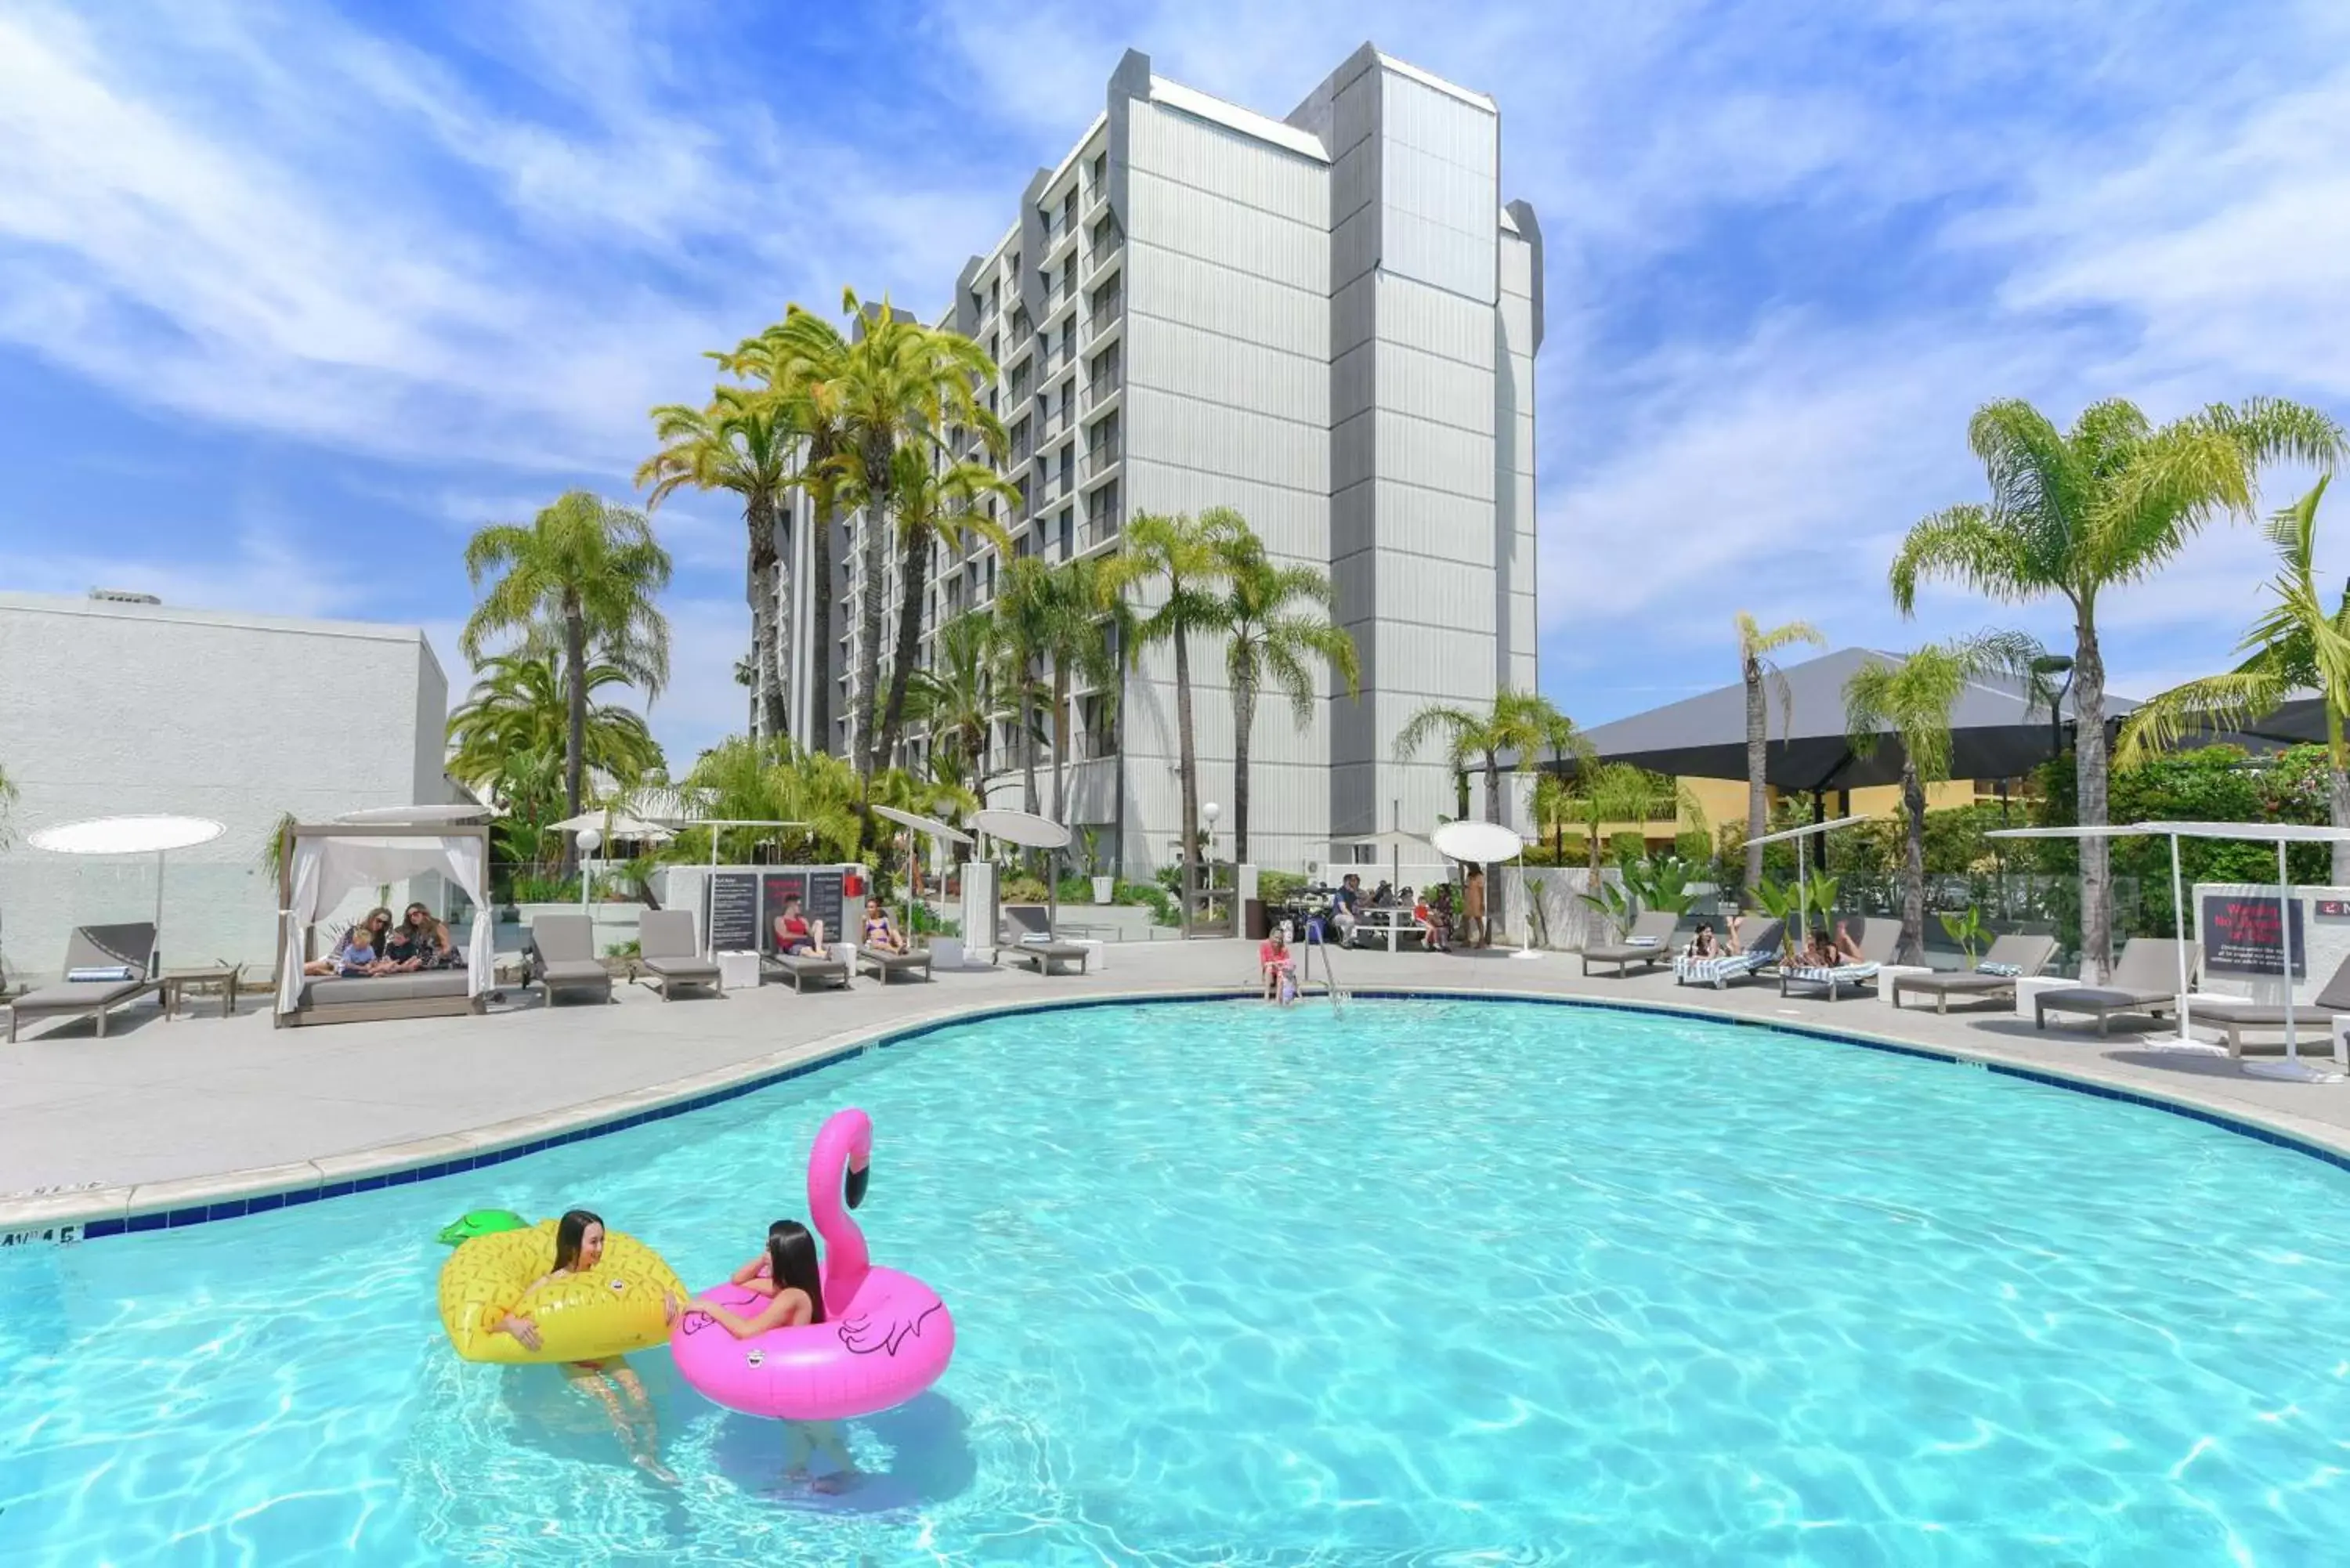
(1842, 974)
(1716, 971)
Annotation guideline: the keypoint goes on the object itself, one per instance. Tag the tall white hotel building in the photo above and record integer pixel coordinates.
(1327, 322)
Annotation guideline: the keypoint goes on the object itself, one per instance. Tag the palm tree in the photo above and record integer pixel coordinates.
(1755, 665)
(1279, 620)
(1521, 723)
(1179, 552)
(739, 443)
(2297, 645)
(898, 383)
(2075, 511)
(1083, 621)
(1911, 700)
(1025, 612)
(936, 506)
(798, 364)
(954, 695)
(580, 581)
(519, 703)
(771, 780)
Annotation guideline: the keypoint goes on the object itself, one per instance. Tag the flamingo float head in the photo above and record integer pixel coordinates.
(840, 1163)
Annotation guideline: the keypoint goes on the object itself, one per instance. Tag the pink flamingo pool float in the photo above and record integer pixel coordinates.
(884, 1337)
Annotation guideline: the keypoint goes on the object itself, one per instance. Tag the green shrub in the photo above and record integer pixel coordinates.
(1279, 887)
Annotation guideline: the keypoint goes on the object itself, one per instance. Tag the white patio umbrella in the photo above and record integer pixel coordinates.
(915, 822)
(156, 835)
(415, 815)
(1476, 843)
(1029, 831)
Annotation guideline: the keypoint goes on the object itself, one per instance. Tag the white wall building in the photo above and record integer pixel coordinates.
(1327, 322)
(112, 707)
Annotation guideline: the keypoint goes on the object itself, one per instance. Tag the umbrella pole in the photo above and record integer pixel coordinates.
(157, 961)
(2284, 944)
(2178, 929)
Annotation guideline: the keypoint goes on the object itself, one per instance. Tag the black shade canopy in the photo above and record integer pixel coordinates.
(1994, 732)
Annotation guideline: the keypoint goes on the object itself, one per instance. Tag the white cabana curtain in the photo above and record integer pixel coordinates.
(327, 870)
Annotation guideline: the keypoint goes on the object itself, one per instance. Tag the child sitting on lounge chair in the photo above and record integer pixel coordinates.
(354, 955)
(1432, 935)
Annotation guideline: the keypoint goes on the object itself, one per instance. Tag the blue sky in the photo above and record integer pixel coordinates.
(292, 298)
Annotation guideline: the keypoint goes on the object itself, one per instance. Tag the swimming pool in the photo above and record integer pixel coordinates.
(1440, 1277)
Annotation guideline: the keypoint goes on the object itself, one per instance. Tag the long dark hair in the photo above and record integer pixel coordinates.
(791, 1262)
(569, 1231)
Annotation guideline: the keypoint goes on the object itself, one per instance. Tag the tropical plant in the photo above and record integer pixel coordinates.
(740, 444)
(2074, 513)
(1755, 666)
(2297, 644)
(528, 791)
(272, 858)
(1027, 610)
(1278, 622)
(798, 365)
(1964, 927)
(1911, 700)
(1083, 619)
(895, 383)
(1179, 555)
(1617, 902)
(954, 695)
(1603, 793)
(1785, 902)
(768, 778)
(519, 703)
(1521, 723)
(937, 505)
(579, 581)
(1662, 882)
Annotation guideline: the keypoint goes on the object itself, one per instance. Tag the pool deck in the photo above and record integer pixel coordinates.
(159, 1115)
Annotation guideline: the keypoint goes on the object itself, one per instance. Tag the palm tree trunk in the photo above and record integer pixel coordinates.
(1244, 720)
(1758, 804)
(868, 650)
(913, 581)
(1913, 867)
(575, 740)
(1188, 770)
(1118, 770)
(2337, 790)
(1492, 883)
(819, 671)
(1027, 744)
(2091, 780)
(760, 573)
(1060, 741)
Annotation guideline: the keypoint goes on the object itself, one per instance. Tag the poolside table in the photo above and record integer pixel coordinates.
(1394, 920)
(179, 982)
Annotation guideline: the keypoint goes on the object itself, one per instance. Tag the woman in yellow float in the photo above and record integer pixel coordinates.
(565, 1293)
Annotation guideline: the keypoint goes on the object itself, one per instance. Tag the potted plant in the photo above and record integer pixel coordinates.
(1105, 888)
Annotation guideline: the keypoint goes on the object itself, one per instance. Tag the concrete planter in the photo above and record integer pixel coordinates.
(1105, 889)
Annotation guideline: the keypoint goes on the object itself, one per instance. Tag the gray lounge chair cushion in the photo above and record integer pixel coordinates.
(803, 967)
(683, 969)
(78, 995)
(561, 939)
(574, 972)
(2334, 999)
(2145, 976)
(886, 965)
(1043, 956)
(424, 985)
(667, 935)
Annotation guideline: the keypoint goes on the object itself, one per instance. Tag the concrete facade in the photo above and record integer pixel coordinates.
(110, 707)
(1327, 322)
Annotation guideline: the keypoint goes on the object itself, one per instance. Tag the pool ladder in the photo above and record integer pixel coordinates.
(1338, 994)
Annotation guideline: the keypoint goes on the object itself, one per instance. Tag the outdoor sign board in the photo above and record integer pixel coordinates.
(2241, 935)
(732, 916)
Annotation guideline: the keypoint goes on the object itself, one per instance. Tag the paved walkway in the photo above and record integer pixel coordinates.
(207, 1106)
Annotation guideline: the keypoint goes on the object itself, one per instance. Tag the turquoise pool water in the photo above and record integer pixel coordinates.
(1426, 1281)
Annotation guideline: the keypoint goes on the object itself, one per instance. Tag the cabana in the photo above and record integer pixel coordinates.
(321, 865)
(2280, 833)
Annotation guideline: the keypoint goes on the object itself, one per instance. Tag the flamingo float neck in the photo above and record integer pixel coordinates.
(840, 1157)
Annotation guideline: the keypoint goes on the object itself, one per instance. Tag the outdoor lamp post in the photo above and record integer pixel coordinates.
(2049, 664)
(1208, 815)
(589, 841)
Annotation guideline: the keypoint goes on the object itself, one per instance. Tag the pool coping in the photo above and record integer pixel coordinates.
(93, 1213)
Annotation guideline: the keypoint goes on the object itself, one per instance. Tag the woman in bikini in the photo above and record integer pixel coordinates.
(610, 1381)
(880, 933)
(787, 1275)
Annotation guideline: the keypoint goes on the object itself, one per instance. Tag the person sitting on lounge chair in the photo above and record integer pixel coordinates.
(880, 934)
(1818, 951)
(795, 934)
(1278, 968)
(1702, 945)
(1847, 950)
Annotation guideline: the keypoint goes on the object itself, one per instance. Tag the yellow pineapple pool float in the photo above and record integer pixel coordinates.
(608, 1310)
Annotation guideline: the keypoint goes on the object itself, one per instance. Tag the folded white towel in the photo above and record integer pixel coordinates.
(2004, 970)
(96, 971)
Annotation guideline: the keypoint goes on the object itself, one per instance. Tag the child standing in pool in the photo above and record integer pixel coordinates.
(787, 1275)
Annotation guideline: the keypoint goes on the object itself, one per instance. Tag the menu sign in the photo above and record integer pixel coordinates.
(826, 902)
(2244, 935)
(732, 915)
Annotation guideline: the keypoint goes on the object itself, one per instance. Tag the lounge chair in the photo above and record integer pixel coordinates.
(887, 966)
(1758, 955)
(127, 951)
(1648, 944)
(1879, 939)
(667, 948)
(1026, 936)
(2233, 1018)
(2020, 956)
(2146, 980)
(562, 957)
(827, 967)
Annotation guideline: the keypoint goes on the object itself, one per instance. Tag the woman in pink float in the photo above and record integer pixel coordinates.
(784, 1340)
